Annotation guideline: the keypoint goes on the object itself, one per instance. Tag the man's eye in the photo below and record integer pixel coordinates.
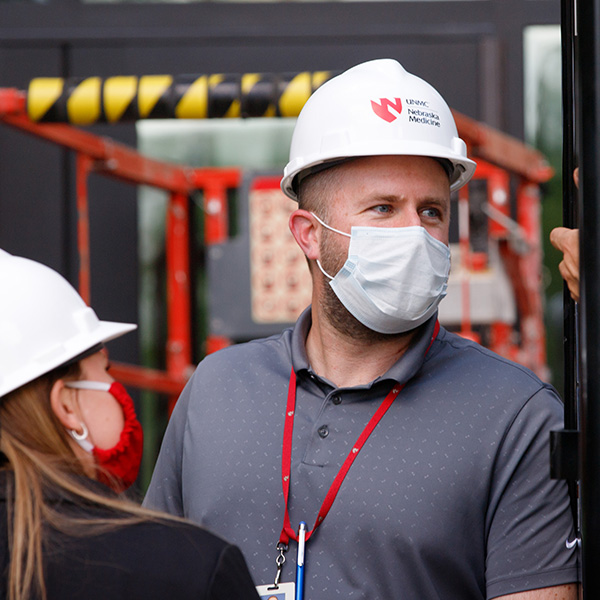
(431, 213)
(382, 208)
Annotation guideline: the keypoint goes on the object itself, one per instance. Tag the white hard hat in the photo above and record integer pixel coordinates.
(44, 323)
(373, 109)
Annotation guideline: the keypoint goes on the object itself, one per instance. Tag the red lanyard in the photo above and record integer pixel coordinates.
(286, 456)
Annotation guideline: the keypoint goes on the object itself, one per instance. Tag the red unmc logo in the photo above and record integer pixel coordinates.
(382, 108)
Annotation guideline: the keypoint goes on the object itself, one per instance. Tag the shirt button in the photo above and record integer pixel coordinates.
(324, 431)
(337, 400)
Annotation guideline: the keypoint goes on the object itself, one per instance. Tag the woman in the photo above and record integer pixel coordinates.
(68, 433)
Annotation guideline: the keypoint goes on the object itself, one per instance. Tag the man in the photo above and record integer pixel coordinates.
(420, 457)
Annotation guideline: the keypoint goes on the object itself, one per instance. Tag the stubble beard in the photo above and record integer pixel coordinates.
(336, 314)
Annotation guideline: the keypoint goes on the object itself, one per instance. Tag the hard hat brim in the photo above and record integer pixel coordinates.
(63, 353)
(464, 167)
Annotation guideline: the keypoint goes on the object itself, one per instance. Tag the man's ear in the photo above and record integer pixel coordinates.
(306, 231)
(64, 405)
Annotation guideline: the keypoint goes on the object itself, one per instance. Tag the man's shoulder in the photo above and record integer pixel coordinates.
(251, 359)
(469, 359)
(255, 349)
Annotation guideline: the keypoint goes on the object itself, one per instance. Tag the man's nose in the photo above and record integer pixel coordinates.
(409, 218)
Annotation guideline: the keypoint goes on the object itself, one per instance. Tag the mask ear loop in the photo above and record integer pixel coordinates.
(81, 438)
(330, 229)
(81, 384)
(323, 270)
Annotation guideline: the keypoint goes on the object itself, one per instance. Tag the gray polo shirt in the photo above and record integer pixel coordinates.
(450, 497)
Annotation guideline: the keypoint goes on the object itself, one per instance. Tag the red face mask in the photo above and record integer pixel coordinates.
(122, 461)
(118, 466)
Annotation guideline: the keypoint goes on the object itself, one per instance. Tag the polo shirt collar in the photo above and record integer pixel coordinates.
(298, 342)
(409, 364)
(401, 371)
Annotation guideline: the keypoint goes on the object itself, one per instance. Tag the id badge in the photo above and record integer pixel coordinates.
(283, 591)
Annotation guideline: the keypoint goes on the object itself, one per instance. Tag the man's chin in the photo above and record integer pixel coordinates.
(349, 326)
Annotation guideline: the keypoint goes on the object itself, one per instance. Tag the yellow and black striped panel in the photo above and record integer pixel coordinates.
(119, 95)
(296, 88)
(75, 101)
(126, 98)
(259, 95)
(191, 94)
(43, 99)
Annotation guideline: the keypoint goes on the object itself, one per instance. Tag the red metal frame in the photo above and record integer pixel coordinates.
(523, 265)
(84, 165)
(99, 155)
(502, 150)
(464, 244)
(498, 156)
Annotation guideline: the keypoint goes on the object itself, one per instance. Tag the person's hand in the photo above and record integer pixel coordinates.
(567, 241)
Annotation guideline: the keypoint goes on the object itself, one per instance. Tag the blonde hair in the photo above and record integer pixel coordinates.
(37, 452)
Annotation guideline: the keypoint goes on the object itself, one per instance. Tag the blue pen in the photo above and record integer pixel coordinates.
(300, 561)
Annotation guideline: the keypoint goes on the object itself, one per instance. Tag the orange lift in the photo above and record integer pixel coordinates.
(513, 224)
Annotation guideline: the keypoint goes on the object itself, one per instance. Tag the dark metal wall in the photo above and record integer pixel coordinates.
(472, 51)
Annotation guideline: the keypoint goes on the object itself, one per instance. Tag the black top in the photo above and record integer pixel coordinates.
(148, 560)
